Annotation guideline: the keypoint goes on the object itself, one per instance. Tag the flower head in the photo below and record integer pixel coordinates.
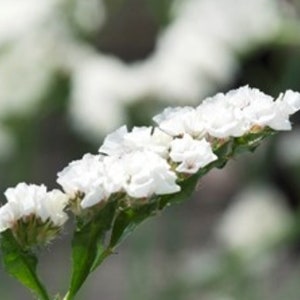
(121, 141)
(34, 215)
(191, 154)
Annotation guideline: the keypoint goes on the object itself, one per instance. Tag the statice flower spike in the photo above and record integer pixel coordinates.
(135, 175)
(34, 215)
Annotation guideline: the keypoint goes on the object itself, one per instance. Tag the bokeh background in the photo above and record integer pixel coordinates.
(72, 71)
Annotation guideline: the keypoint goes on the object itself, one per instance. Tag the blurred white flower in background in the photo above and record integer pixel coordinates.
(18, 18)
(36, 42)
(26, 72)
(257, 217)
(194, 55)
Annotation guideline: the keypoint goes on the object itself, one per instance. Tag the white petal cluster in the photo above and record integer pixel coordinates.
(191, 154)
(147, 161)
(26, 200)
(231, 115)
(140, 138)
(147, 174)
(83, 176)
(139, 174)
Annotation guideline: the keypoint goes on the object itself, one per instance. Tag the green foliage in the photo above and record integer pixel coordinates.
(21, 264)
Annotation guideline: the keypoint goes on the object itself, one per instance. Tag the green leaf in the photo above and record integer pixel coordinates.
(87, 246)
(21, 264)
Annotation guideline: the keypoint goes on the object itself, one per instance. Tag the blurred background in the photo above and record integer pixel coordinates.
(72, 71)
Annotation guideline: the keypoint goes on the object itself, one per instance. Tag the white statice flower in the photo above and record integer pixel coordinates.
(236, 112)
(121, 141)
(259, 109)
(230, 115)
(140, 174)
(220, 119)
(191, 154)
(291, 101)
(26, 200)
(8, 217)
(254, 107)
(176, 121)
(285, 105)
(85, 176)
(147, 174)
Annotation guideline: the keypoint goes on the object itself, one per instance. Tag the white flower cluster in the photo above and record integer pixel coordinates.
(25, 201)
(232, 114)
(148, 161)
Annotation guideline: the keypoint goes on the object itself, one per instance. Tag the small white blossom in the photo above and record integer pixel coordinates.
(285, 105)
(180, 120)
(254, 107)
(148, 174)
(191, 154)
(25, 200)
(221, 119)
(113, 142)
(140, 138)
(291, 100)
(85, 176)
(7, 217)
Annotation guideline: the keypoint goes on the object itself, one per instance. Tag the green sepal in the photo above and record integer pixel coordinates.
(21, 264)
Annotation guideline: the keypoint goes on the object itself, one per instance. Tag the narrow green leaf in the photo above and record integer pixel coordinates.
(86, 243)
(21, 264)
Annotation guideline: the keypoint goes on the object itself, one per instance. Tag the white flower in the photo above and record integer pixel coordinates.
(177, 121)
(140, 138)
(25, 200)
(291, 101)
(84, 176)
(254, 107)
(221, 119)
(147, 174)
(113, 142)
(7, 217)
(285, 105)
(53, 207)
(191, 154)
